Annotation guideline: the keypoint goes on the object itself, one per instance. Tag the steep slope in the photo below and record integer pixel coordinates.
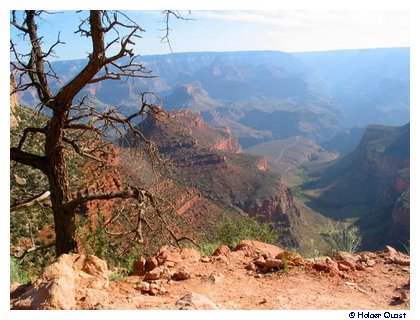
(371, 185)
(207, 159)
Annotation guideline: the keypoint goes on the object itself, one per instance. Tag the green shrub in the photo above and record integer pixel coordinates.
(341, 237)
(17, 274)
(231, 228)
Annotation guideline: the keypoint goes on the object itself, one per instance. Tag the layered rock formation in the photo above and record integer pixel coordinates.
(205, 162)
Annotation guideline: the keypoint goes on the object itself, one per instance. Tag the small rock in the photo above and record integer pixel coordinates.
(343, 267)
(150, 264)
(367, 255)
(153, 274)
(156, 289)
(259, 276)
(182, 274)
(390, 250)
(348, 283)
(250, 266)
(216, 277)
(370, 262)
(401, 261)
(167, 273)
(138, 266)
(346, 258)
(273, 263)
(143, 286)
(264, 300)
(361, 290)
(205, 259)
(260, 262)
(360, 267)
(327, 266)
(222, 258)
(19, 180)
(196, 301)
(221, 250)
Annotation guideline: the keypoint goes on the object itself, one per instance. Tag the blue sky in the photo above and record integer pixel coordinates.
(217, 30)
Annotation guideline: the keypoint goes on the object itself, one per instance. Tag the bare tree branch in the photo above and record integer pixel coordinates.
(26, 132)
(25, 251)
(31, 202)
(35, 161)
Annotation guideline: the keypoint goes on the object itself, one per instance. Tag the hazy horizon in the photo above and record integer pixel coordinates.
(291, 31)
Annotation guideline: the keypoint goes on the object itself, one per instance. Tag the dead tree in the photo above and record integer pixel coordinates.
(34, 71)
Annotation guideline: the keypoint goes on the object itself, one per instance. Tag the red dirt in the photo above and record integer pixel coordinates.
(225, 281)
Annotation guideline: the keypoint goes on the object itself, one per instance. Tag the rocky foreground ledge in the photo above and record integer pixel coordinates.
(253, 276)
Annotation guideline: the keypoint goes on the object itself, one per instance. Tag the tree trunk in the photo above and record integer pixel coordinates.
(65, 230)
(64, 218)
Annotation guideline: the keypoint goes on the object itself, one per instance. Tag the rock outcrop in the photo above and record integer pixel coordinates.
(276, 208)
(186, 129)
(59, 283)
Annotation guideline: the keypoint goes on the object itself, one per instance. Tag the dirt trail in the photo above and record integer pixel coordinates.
(294, 143)
(225, 280)
(255, 276)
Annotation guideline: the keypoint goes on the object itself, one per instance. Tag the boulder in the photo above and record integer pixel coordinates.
(55, 294)
(254, 246)
(56, 287)
(196, 301)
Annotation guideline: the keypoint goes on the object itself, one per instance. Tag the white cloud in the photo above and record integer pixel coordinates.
(322, 29)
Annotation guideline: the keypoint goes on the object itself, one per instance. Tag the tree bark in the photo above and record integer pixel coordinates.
(64, 217)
